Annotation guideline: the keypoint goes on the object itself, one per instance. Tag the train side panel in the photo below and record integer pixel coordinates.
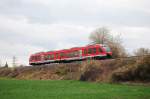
(97, 51)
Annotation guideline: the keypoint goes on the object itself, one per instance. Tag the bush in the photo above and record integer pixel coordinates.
(140, 71)
(90, 71)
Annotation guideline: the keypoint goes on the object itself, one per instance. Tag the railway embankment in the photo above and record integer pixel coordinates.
(111, 70)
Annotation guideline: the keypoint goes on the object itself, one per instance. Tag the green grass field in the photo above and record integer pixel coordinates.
(35, 89)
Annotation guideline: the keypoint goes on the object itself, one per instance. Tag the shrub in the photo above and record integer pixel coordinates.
(90, 71)
(140, 71)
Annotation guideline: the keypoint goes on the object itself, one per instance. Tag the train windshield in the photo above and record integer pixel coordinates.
(106, 48)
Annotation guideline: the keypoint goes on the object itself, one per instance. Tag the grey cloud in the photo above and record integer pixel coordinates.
(76, 12)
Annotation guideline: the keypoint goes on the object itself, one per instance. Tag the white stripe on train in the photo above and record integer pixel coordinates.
(45, 61)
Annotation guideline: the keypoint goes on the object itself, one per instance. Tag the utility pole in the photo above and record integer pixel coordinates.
(14, 61)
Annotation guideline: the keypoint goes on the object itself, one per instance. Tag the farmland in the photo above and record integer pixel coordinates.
(69, 89)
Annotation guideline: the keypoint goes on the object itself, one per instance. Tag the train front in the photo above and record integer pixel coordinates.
(108, 51)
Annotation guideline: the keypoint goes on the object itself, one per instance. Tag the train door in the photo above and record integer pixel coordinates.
(80, 54)
(42, 58)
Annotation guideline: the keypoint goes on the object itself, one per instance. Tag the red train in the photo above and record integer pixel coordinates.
(97, 51)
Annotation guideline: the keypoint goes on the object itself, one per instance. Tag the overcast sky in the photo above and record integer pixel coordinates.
(29, 26)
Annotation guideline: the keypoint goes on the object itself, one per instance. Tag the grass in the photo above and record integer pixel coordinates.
(46, 89)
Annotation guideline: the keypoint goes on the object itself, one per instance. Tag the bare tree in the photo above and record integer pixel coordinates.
(100, 36)
(103, 36)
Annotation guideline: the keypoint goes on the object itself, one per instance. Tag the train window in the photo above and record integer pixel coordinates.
(47, 57)
(57, 55)
(70, 54)
(51, 56)
(76, 53)
(100, 50)
(34, 57)
(91, 50)
(37, 57)
(67, 54)
(73, 54)
(85, 51)
(94, 50)
(62, 54)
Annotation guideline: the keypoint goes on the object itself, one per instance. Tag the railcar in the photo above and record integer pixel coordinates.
(97, 51)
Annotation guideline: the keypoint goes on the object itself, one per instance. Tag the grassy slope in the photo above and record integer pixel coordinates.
(35, 89)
